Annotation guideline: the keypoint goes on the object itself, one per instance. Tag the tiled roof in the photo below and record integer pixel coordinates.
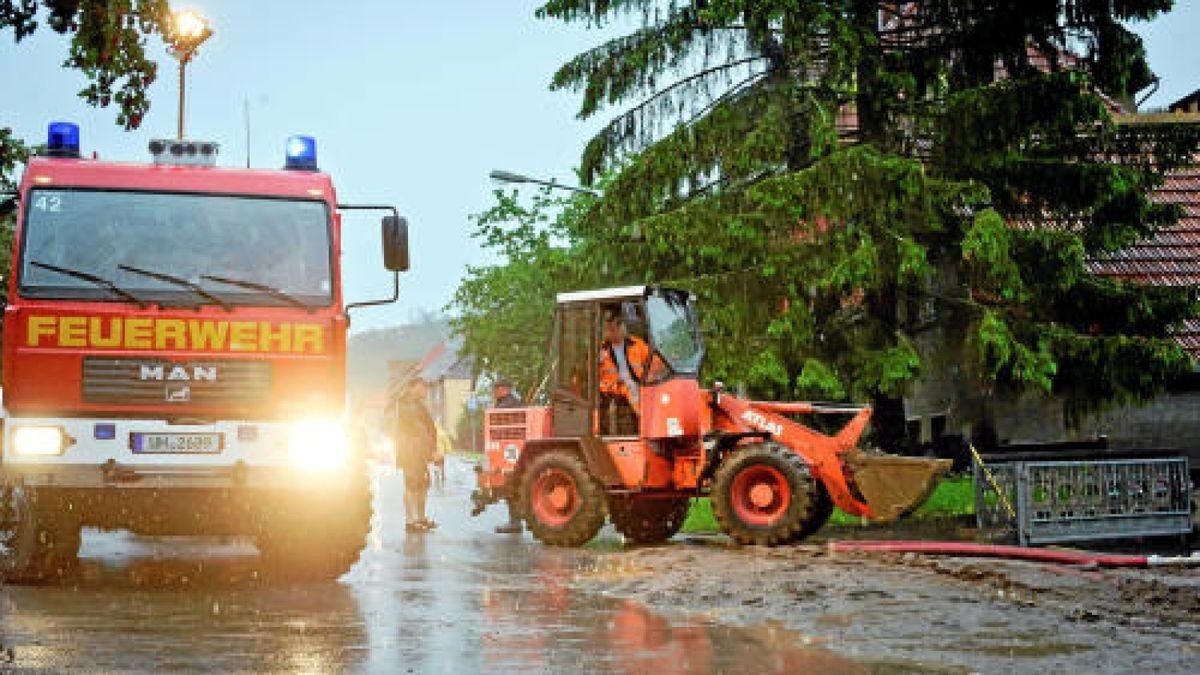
(1188, 337)
(1171, 256)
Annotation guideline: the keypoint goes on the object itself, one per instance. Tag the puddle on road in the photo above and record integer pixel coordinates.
(183, 604)
(459, 600)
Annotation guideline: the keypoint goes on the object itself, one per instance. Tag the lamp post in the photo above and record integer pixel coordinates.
(501, 176)
(188, 29)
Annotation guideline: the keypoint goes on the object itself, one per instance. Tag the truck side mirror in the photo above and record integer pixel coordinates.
(395, 243)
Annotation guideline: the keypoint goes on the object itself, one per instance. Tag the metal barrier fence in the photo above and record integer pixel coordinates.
(1060, 501)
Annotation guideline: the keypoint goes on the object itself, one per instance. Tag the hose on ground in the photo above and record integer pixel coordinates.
(972, 550)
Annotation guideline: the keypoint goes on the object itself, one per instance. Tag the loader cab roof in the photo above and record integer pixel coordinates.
(603, 294)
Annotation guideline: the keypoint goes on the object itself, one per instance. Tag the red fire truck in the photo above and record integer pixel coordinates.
(174, 358)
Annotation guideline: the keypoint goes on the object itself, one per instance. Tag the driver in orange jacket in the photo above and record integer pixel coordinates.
(623, 361)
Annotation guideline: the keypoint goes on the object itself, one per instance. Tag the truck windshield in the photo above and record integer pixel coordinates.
(280, 247)
(674, 331)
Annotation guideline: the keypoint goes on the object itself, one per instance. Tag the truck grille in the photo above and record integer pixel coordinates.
(183, 383)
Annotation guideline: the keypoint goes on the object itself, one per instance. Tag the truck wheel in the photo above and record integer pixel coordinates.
(647, 520)
(39, 536)
(562, 503)
(764, 494)
(314, 544)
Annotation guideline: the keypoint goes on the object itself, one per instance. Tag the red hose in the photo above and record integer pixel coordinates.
(967, 549)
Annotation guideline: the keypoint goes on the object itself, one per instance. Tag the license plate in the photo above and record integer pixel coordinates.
(183, 444)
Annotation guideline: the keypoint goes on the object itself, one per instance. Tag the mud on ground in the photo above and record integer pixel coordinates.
(919, 612)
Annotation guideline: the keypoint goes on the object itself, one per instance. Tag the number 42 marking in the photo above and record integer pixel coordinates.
(50, 203)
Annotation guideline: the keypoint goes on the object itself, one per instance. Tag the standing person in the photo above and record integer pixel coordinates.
(416, 445)
(502, 393)
(444, 447)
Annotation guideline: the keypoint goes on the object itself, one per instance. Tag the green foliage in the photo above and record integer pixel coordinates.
(108, 45)
(504, 311)
(13, 153)
(803, 238)
(818, 381)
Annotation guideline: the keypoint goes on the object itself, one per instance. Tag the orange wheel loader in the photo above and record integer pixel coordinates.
(637, 460)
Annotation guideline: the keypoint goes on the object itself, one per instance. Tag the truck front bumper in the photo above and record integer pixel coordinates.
(116, 453)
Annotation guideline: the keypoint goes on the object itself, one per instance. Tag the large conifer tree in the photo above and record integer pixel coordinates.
(817, 169)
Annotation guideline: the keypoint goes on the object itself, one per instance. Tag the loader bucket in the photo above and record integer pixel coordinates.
(891, 485)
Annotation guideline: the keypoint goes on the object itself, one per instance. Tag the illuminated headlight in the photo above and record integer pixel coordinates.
(318, 446)
(39, 441)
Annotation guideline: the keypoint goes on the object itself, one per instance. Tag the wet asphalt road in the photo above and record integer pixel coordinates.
(459, 600)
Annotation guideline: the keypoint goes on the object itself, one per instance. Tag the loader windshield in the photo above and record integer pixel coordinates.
(674, 331)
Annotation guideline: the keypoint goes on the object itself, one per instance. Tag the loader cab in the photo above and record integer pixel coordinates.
(663, 319)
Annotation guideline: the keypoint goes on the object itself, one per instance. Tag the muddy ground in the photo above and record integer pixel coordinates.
(956, 614)
(462, 599)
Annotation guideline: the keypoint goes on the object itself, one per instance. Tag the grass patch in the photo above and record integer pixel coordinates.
(700, 517)
(953, 496)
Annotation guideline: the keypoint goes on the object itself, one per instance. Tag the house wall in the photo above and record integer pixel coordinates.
(1170, 421)
(456, 393)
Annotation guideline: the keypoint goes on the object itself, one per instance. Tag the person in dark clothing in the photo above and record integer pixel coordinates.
(504, 397)
(416, 445)
(502, 391)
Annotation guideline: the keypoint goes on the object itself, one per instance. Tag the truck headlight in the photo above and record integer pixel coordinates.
(39, 440)
(318, 446)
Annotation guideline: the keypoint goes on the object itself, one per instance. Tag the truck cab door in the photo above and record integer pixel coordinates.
(575, 386)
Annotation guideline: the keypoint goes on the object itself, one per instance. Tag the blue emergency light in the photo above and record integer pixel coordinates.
(301, 153)
(62, 139)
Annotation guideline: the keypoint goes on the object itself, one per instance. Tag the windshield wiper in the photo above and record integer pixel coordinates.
(256, 286)
(88, 276)
(178, 281)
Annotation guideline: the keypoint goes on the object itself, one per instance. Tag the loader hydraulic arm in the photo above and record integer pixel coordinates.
(822, 453)
(884, 486)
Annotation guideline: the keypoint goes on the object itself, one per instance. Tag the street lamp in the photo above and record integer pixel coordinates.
(188, 29)
(501, 176)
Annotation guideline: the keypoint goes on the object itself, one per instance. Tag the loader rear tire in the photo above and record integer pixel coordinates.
(563, 504)
(648, 520)
(765, 494)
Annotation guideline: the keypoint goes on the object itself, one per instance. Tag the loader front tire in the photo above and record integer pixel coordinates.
(563, 504)
(765, 494)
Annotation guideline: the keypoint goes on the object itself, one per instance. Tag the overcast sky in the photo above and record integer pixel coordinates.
(412, 102)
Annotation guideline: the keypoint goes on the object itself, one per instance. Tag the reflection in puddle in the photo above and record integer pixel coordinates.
(458, 600)
(178, 604)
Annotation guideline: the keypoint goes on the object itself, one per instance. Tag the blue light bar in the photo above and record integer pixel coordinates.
(62, 139)
(104, 432)
(301, 153)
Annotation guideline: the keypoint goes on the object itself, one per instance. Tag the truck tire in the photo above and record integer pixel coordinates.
(765, 494)
(647, 520)
(563, 504)
(308, 543)
(39, 536)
